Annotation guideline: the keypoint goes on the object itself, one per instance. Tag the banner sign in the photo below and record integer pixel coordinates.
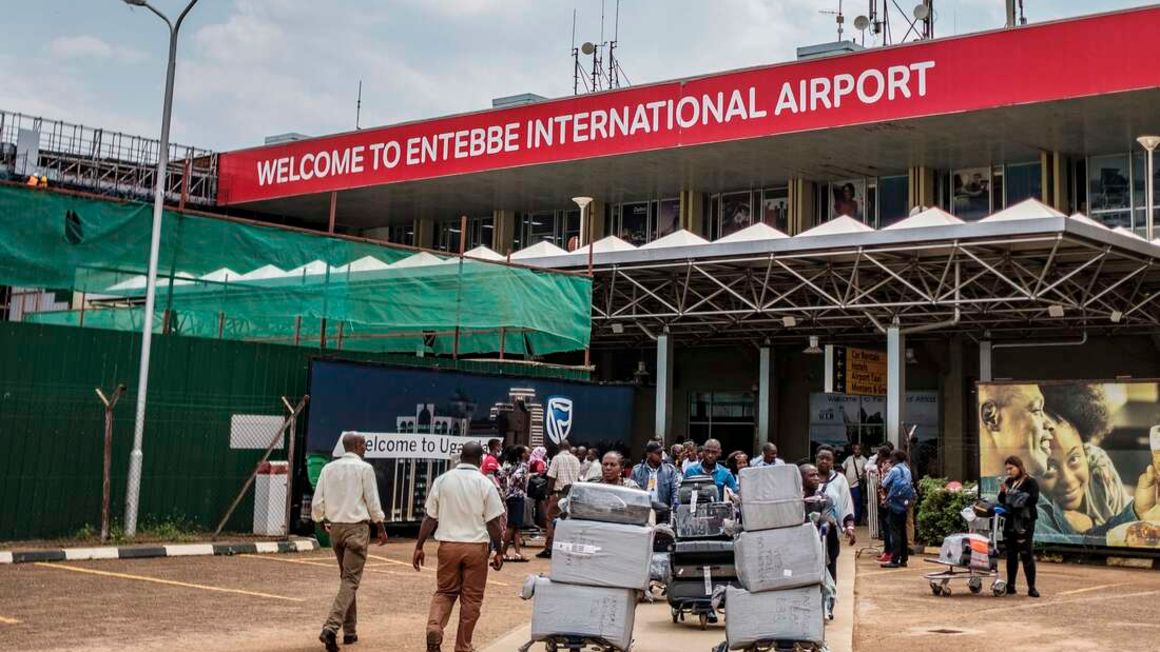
(1092, 446)
(414, 419)
(855, 371)
(398, 446)
(877, 85)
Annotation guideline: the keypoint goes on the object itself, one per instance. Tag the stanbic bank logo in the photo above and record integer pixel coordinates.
(558, 420)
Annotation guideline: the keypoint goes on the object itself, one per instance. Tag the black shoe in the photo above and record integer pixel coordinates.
(1032, 593)
(349, 639)
(329, 639)
(544, 554)
(711, 618)
(891, 565)
(1010, 589)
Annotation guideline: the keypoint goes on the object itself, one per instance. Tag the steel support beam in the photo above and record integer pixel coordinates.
(664, 397)
(895, 384)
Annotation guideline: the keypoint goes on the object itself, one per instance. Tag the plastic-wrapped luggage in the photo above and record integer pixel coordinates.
(594, 553)
(589, 611)
(708, 520)
(771, 497)
(660, 568)
(596, 501)
(967, 550)
(785, 558)
(793, 614)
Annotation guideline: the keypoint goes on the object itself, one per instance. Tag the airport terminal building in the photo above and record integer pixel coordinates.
(827, 250)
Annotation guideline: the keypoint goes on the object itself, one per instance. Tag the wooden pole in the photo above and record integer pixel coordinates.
(340, 333)
(186, 171)
(297, 330)
(107, 464)
(502, 342)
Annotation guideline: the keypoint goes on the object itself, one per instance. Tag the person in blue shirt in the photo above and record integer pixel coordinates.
(708, 465)
(899, 486)
(658, 478)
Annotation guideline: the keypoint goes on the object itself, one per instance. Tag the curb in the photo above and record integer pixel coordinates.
(152, 552)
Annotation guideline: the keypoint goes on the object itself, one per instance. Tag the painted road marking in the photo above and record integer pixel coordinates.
(394, 561)
(157, 580)
(1052, 603)
(5, 557)
(319, 564)
(8, 621)
(189, 549)
(266, 546)
(1092, 588)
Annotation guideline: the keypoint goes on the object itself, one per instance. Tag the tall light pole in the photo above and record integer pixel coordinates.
(1149, 143)
(133, 490)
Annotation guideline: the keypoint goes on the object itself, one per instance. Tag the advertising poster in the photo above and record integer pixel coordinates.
(972, 193)
(848, 198)
(415, 419)
(775, 209)
(634, 223)
(1093, 446)
(668, 217)
(736, 213)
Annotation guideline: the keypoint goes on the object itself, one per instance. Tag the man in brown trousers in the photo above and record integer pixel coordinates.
(464, 513)
(346, 502)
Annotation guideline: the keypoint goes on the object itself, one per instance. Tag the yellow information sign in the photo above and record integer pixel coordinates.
(859, 371)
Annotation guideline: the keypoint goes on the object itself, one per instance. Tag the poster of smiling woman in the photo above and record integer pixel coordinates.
(1093, 448)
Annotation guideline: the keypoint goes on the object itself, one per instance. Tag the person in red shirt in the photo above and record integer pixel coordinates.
(491, 460)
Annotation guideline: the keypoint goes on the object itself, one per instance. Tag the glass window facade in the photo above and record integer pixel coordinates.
(893, 199)
(1109, 190)
(1022, 181)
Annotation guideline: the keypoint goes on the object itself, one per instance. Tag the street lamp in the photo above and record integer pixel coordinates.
(585, 226)
(133, 490)
(1149, 143)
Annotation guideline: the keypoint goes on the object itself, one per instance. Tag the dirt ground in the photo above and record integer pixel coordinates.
(1082, 608)
(260, 602)
(278, 602)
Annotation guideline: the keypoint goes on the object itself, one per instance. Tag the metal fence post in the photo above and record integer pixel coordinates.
(110, 402)
(291, 435)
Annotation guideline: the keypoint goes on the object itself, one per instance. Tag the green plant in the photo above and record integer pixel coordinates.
(939, 510)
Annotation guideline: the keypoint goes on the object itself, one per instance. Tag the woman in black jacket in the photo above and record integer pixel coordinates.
(1019, 493)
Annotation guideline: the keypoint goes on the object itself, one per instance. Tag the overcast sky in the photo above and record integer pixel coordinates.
(251, 68)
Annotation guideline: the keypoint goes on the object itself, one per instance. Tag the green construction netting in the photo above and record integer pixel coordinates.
(234, 280)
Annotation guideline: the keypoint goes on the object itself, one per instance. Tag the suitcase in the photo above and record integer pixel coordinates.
(707, 522)
(594, 501)
(583, 611)
(771, 497)
(697, 550)
(725, 571)
(702, 485)
(685, 590)
(794, 615)
(775, 560)
(601, 554)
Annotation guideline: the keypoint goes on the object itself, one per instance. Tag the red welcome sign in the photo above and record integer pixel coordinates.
(1040, 63)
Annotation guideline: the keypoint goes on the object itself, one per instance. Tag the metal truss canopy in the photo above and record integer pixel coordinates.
(1049, 277)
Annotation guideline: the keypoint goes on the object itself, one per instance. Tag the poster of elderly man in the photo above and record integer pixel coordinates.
(1092, 446)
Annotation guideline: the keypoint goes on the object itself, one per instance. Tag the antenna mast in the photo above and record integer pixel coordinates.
(358, 107)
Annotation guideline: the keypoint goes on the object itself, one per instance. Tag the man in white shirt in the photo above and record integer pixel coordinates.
(768, 456)
(562, 473)
(346, 501)
(855, 470)
(464, 513)
(595, 467)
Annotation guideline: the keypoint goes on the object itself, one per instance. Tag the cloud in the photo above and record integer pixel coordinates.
(86, 47)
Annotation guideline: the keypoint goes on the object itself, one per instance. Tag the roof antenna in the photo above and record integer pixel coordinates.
(358, 107)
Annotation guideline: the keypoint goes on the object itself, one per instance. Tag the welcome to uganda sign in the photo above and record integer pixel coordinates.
(1094, 448)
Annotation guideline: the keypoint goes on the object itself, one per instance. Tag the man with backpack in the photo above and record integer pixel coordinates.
(899, 486)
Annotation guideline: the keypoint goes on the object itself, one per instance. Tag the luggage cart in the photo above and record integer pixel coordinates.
(572, 643)
(702, 557)
(778, 646)
(990, 526)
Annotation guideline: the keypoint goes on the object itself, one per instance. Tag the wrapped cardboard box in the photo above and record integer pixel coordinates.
(594, 501)
(707, 520)
(785, 558)
(583, 611)
(794, 614)
(771, 497)
(602, 554)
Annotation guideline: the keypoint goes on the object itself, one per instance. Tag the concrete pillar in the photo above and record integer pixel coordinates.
(953, 446)
(664, 398)
(764, 397)
(802, 203)
(425, 233)
(1060, 188)
(504, 231)
(920, 191)
(692, 212)
(985, 373)
(895, 384)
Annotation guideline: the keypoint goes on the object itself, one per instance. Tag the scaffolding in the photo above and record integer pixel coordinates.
(101, 161)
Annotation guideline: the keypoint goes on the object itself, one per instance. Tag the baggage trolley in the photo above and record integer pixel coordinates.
(990, 526)
(778, 646)
(572, 643)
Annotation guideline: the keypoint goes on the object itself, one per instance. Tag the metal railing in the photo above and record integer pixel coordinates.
(103, 161)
